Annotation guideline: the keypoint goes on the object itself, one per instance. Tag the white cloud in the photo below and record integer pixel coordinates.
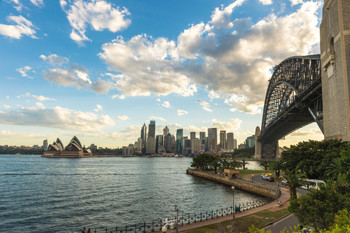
(102, 86)
(123, 118)
(17, 4)
(157, 118)
(98, 14)
(296, 2)
(24, 71)
(5, 106)
(158, 100)
(98, 108)
(118, 96)
(58, 117)
(266, 2)
(229, 56)
(181, 112)
(7, 97)
(37, 2)
(205, 105)
(75, 76)
(166, 104)
(215, 95)
(146, 67)
(54, 59)
(231, 125)
(21, 27)
(37, 97)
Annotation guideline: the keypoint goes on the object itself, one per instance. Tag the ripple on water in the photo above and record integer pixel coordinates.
(62, 195)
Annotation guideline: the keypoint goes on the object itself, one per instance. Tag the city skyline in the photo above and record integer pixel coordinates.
(100, 69)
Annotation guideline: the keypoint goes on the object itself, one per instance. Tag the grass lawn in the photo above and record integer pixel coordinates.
(247, 172)
(242, 224)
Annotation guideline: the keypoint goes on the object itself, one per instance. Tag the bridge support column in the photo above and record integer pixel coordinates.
(270, 150)
(257, 154)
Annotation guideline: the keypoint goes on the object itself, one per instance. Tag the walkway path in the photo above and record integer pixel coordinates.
(284, 198)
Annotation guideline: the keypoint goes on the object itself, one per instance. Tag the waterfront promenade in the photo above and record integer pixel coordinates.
(284, 198)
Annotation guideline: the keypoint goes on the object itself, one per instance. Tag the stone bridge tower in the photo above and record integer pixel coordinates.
(335, 64)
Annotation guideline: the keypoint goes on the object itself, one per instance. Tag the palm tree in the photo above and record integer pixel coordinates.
(294, 181)
(277, 166)
(244, 163)
(337, 168)
(265, 164)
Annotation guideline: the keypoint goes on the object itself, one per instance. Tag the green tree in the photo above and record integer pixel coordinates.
(244, 163)
(294, 181)
(312, 158)
(204, 161)
(277, 166)
(318, 207)
(265, 164)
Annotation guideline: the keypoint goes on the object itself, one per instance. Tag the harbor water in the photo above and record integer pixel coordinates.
(63, 195)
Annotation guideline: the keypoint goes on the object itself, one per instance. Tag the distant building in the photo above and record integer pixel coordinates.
(159, 142)
(165, 133)
(192, 135)
(234, 144)
(250, 141)
(151, 145)
(152, 129)
(230, 142)
(144, 138)
(195, 146)
(212, 139)
(73, 150)
(223, 146)
(179, 141)
(45, 145)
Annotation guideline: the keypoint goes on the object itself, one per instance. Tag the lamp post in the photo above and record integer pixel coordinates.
(176, 224)
(233, 202)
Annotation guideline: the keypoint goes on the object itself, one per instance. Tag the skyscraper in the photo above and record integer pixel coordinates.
(223, 145)
(144, 138)
(165, 133)
(152, 129)
(192, 135)
(202, 141)
(230, 142)
(45, 145)
(212, 139)
(179, 141)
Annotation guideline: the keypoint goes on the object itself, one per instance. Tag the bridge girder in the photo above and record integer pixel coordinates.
(293, 98)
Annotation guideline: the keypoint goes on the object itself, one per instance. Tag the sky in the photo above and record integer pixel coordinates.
(100, 69)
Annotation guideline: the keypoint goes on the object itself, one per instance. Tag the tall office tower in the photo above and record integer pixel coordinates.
(192, 135)
(195, 146)
(165, 133)
(212, 139)
(250, 141)
(173, 144)
(179, 141)
(202, 140)
(152, 129)
(223, 145)
(151, 145)
(230, 142)
(144, 138)
(167, 143)
(45, 145)
(234, 144)
(159, 141)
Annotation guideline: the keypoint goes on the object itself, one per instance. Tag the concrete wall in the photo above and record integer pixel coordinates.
(239, 184)
(335, 62)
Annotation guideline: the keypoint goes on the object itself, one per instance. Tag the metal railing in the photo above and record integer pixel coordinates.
(183, 219)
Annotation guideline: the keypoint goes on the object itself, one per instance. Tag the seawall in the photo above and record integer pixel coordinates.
(248, 186)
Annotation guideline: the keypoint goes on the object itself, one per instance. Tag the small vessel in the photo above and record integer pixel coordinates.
(18, 155)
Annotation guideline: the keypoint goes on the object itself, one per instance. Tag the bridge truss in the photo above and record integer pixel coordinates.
(293, 100)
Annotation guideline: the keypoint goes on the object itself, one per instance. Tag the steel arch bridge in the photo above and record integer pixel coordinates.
(293, 100)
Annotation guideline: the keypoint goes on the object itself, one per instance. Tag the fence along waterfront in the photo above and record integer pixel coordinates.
(183, 219)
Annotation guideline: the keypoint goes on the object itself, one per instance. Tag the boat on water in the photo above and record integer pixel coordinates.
(18, 155)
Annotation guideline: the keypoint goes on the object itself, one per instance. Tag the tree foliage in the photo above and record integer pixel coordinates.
(244, 152)
(319, 207)
(312, 158)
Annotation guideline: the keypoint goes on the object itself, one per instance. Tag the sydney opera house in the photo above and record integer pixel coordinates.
(72, 150)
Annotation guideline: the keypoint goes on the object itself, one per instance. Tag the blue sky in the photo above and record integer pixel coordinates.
(99, 69)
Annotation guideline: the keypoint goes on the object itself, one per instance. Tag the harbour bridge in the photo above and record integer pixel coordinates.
(293, 100)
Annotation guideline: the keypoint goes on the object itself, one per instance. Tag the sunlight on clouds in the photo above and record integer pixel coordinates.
(205, 105)
(58, 117)
(232, 125)
(123, 118)
(54, 59)
(266, 2)
(166, 104)
(157, 118)
(232, 57)
(24, 71)
(98, 14)
(181, 112)
(22, 27)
